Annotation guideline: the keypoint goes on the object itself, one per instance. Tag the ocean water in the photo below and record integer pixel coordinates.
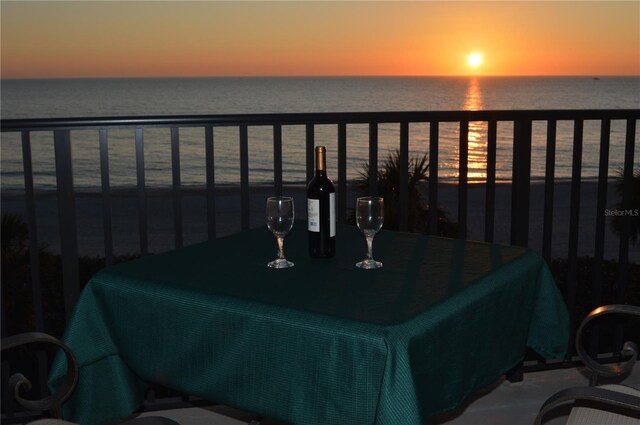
(176, 96)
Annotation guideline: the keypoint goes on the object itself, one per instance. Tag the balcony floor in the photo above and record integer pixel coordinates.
(505, 403)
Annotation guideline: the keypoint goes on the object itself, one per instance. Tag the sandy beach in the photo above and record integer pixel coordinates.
(160, 217)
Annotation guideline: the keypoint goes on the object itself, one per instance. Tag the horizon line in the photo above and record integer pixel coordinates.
(97, 77)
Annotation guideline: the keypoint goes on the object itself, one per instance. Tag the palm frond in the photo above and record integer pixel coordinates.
(388, 184)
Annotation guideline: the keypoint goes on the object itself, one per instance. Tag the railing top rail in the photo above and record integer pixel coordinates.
(26, 124)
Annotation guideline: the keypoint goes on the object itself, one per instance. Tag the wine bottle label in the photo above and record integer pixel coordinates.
(332, 214)
(313, 214)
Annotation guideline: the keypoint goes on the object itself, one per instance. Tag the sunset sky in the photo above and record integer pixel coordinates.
(181, 38)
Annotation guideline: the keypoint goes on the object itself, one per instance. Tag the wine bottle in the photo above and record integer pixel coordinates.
(321, 210)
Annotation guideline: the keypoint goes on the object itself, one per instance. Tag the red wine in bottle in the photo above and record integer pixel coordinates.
(321, 210)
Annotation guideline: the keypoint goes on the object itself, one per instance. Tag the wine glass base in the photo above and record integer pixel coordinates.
(369, 264)
(280, 263)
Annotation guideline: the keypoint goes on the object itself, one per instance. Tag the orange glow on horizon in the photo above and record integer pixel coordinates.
(135, 39)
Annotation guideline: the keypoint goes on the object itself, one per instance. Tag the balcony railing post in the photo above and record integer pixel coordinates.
(176, 187)
(244, 179)
(490, 192)
(625, 230)
(211, 182)
(277, 160)
(521, 177)
(142, 194)
(67, 218)
(310, 150)
(433, 176)
(598, 274)
(342, 173)
(463, 171)
(34, 258)
(373, 159)
(627, 195)
(520, 187)
(106, 197)
(34, 254)
(549, 189)
(603, 177)
(574, 216)
(403, 190)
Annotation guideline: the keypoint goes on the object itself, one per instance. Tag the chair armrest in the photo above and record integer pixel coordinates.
(17, 381)
(629, 349)
(597, 394)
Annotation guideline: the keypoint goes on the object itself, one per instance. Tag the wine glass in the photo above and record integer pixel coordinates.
(280, 221)
(369, 216)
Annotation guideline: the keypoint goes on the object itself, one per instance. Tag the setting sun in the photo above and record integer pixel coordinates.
(474, 60)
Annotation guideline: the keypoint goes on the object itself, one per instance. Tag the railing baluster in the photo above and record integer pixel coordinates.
(342, 172)
(244, 179)
(549, 188)
(433, 177)
(603, 181)
(625, 230)
(627, 194)
(490, 190)
(211, 182)
(67, 218)
(177, 195)
(142, 195)
(373, 159)
(277, 159)
(34, 256)
(106, 197)
(403, 190)
(521, 176)
(574, 216)
(310, 149)
(463, 170)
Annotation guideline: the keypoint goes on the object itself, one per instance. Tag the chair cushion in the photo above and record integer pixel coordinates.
(583, 414)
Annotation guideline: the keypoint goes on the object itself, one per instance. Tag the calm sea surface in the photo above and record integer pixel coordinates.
(176, 96)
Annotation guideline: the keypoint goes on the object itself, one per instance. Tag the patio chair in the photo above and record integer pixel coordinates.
(612, 404)
(18, 383)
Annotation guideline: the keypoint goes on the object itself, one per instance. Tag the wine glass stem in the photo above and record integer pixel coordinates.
(280, 247)
(369, 247)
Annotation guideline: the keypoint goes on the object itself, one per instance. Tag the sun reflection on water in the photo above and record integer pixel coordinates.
(477, 138)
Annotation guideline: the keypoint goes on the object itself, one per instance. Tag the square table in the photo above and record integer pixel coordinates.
(321, 343)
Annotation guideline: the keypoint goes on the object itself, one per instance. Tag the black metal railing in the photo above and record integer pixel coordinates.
(521, 179)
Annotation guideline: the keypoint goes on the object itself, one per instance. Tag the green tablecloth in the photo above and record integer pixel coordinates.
(322, 343)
